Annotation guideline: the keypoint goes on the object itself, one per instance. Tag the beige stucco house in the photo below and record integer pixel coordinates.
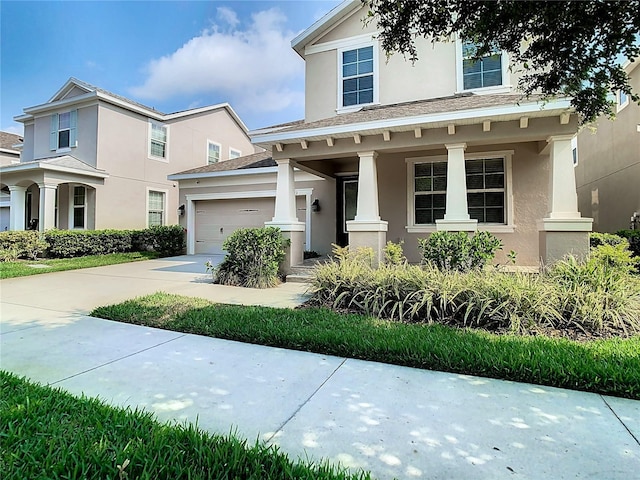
(93, 160)
(608, 164)
(391, 150)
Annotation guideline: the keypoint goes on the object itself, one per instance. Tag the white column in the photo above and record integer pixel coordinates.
(16, 222)
(47, 211)
(368, 209)
(285, 209)
(456, 217)
(563, 196)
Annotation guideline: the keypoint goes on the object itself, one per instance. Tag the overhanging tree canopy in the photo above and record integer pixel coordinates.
(568, 48)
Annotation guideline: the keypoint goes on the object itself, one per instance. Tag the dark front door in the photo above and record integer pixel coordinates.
(347, 191)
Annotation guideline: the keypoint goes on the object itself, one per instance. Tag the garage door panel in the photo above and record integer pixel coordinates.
(217, 219)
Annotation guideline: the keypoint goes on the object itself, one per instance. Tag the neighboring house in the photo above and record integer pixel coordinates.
(93, 160)
(405, 150)
(608, 164)
(10, 145)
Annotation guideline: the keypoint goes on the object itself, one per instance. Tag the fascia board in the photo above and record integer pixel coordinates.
(223, 173)
(32, 111)
(480, 113)
(43, 166)
(338, 12)
(226, 106)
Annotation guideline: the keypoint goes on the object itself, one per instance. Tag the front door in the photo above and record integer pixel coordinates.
(347, 201)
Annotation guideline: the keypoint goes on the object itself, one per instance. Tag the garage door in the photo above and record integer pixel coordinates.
(217, 219)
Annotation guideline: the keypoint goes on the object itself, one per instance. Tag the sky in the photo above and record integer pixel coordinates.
(169, 55)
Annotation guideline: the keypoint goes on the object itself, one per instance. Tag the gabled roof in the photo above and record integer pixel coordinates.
(92, 93)
(65, 163)
(335, 16)
(246, 163)
(429, 113)
(9, 140)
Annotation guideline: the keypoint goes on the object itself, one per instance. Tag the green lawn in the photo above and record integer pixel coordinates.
(23, 268)
(609, 366)
(47, 433)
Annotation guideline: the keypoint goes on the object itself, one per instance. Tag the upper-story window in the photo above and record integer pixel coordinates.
(63, 130)
(213, 153)
(487, 72)
(158, 140)
(622, 100)
(233, 153)
(357, 72)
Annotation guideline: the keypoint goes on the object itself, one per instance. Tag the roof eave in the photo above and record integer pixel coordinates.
(223, 173)
(557, 106)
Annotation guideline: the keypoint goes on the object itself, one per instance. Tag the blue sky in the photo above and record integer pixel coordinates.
(169, 55)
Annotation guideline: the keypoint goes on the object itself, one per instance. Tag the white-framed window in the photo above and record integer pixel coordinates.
(64, 127)
(79, 207)
(213, 152)
(622, 100)
(233, 153)
(158, 141)
(488, 184)
(574, 150)
(357, 76)
(488, 73)
(156, 208)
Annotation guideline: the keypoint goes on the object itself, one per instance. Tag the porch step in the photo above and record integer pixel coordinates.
(304, 273)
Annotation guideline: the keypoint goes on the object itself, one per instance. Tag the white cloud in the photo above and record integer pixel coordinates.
(15, 128)
(228, 16)
(255, 67)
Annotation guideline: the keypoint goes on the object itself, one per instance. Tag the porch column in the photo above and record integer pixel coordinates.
(18, 194)
(47, 211)
(367, 229)
(456, 217)
(564, 231)
(285, 214)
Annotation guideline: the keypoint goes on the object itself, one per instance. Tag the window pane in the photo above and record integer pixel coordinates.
(494, 165)
(64, 120)
(350, 200)
(78, 195)
(349, 99)
(492, 79)
(494, 215)
(495, 181)
(475, 199)
(156, 201)
(350, 85)
(471, 66)
(475, 182)
(424, 217)
(438, 214)
(350, 56)
(157, 149)
(349, 70)
(440, 184)
(365, 83)
(422, 169)
(494, 199)
(158, 132)
(365, 53)
(472, 81)
(440, 169)
(365, 97)
(424, 201)
(63, 138)
(439, 200)
(78, 217)
(365, 67)
(155, 219)
(477, 214)
(423, 184)
(473, 166)
(493, 62)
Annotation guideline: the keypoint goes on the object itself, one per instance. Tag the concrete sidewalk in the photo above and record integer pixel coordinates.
(395, 421)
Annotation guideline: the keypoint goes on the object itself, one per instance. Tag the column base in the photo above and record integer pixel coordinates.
(456, 225)
(368, 234)
(561, 237)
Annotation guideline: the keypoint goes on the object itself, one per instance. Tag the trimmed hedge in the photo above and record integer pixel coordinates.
(166, 240)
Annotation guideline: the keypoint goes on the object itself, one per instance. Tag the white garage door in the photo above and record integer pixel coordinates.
(217, 219)
(4, 218)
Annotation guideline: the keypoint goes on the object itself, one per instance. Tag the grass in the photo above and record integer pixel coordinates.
(608, 366)
(22, 268)
(47, 433)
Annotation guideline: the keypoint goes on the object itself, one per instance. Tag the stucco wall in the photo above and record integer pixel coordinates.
(608, 170)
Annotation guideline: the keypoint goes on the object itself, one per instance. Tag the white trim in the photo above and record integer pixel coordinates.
(621, 105)
(238, 153)
(150, 156)
(223, 173)
(376, 77)
(507, 227)
(504, 64)
(195, 197)
(342, 44)
(164, 206)
(71, 206)
(479, 113)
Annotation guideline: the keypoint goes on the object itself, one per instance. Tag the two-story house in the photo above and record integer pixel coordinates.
(608, 164)
(406, 149)
(93, 160)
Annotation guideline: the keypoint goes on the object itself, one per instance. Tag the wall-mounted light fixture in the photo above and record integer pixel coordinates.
(181, 210)
(315, 206)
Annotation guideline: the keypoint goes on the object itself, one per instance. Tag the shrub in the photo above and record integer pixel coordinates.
(633, 237)
(21, 244)
(80, 243)
(457, 251)
(253, 258)
(393, 254)
(596, 239)
(168, 241)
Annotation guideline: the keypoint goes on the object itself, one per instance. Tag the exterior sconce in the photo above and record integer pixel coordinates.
(181, 210)
(315, 206)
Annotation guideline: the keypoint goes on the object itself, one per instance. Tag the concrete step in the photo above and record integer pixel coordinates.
(304, 273)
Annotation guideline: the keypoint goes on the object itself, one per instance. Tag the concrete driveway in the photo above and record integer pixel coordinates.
(397, 422)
